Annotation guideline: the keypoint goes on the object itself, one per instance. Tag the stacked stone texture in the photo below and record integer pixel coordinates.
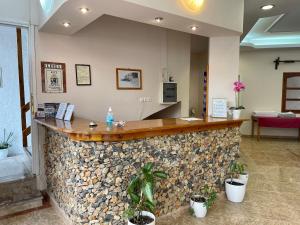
(89, 179)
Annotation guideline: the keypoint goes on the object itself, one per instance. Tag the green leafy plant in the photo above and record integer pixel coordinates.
(141, 192)
(235, 169)
(7, 140)
(209, 196)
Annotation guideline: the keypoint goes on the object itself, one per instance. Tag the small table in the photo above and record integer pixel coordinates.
(275, 122)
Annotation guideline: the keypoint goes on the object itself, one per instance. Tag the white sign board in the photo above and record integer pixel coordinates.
(219, 107)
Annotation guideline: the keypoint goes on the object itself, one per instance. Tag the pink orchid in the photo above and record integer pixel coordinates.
(238, 86)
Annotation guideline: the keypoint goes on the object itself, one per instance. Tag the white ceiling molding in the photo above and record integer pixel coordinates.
(261, 37)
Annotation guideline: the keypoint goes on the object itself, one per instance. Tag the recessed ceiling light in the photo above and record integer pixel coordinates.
(84, 10)
(159, 19)
(267, 7)
(194, 28)
(66, 24)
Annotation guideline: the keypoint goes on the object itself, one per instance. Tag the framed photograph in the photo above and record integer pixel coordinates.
(219, 107)
(53, 77)
(129, 79)
(83, 74)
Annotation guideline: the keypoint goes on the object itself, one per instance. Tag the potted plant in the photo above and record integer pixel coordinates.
(238, 87)
(5, 143)
(243, 174)
(235, 188)
(141, 192)
(200, 203)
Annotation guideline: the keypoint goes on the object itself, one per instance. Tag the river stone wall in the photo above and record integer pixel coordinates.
(89, 179)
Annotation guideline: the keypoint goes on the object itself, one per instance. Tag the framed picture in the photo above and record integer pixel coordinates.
(219, 107)
(53, 77)
(129, 79)
(83, 74)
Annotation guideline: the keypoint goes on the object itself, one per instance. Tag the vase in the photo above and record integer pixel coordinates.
(235, 190)
(145, 213)
(236, 114)
(199, 208)
(3, 153)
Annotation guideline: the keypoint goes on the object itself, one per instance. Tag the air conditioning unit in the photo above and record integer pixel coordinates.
(168, 93)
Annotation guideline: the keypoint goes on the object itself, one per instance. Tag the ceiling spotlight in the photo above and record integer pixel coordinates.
(159, 19)
(194, 28)
(267, 7)
(66, 24)
(84, 10)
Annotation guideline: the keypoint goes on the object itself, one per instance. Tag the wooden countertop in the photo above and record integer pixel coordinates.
(78, 129)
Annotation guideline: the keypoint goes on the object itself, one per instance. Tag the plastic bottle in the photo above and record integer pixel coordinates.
(109, 116)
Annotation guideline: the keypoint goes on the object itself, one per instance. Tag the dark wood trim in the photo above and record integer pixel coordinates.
(90, 76)
(63, 65)
(117, 79)
(27, 131)
(24, 107)
(284, 91)
(292, 99)
(296, 88)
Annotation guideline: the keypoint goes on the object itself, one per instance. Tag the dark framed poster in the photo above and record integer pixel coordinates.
(53, 77)
(83, 74)
(129, 79)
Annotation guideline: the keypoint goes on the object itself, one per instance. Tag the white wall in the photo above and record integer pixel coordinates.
(109, 43)
(223, 68)
(264, 84)
(19, 11)
(199, 62)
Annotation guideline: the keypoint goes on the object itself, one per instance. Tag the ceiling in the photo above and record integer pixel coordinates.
(289, 23)
(128, 9)
(278, 27)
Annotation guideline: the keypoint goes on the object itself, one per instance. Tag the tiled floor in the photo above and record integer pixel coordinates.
(273, 192)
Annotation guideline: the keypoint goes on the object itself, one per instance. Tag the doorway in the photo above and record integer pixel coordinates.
(199, 76)
(15, 115)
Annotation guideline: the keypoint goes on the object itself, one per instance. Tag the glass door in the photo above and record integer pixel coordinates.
(15, 116)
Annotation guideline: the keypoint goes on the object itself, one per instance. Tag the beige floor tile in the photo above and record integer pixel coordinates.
(272, 198)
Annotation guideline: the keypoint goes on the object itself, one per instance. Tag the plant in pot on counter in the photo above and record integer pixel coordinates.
(238, 86)
(200, 203)
(235, 188)
(5, 143)
(141, 193)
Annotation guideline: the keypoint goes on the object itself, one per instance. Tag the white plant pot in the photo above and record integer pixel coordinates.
(145, 213)
(3, 153)
(235, 193)
(236, 114)
(199, 208)
(244, 178)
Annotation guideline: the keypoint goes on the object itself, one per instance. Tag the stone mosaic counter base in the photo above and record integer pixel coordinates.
(89, 179)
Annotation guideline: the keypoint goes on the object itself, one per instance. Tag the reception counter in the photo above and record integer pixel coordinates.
(88, 169)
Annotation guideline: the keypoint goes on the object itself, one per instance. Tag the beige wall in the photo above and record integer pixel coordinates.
(223, 68)
(264, 84)
(199, 63)
(178, 64)
(109, 43)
